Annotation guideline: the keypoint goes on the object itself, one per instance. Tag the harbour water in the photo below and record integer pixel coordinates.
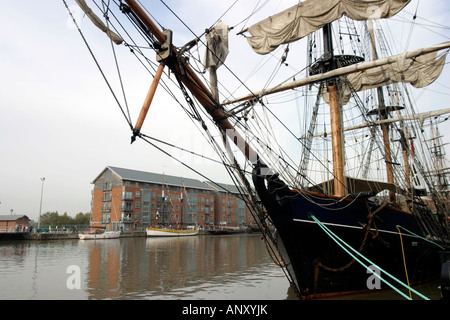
(231, 267)
(200, 267)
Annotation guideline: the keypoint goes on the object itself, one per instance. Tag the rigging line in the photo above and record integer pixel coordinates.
(220, 18)
(181, 162)
(105, 14)
(255, 9)
(425, 239)
(343, 244)
(138, 49)
(97, 63)
(173, 12)
(310, 196)
(270, 133)
(216, 147)
(252, 206)
(262, 62)
(437, 25)
(404, 260)
(299, 140)
(261, 221)
(165, 86)
(279, 159)
(211, 140)
(265, 145)
(184, 150)
(224, 64)
(277, 68)
(148, 12)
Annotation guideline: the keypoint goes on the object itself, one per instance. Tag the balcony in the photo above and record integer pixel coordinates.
(127, 196)
(126, 207)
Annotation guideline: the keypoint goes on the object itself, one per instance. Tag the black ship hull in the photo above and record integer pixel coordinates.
(319, 266)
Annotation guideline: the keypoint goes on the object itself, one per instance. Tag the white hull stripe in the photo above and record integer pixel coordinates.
(354, 227)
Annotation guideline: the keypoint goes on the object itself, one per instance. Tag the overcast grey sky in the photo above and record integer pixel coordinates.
(58, 119)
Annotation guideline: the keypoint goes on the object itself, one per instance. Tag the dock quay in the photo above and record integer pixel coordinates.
(58, 235)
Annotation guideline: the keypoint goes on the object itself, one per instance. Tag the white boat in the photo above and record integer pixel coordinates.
(165, 232)
(99, 234)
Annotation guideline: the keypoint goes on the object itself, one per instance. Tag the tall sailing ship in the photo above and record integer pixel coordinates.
(360, 186)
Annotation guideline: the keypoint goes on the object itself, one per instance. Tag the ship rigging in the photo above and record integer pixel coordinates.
(293, 194)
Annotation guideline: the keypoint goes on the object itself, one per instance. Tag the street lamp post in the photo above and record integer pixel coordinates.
(40, 207)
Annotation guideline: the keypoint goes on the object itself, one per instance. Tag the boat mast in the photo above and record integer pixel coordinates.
(192, 82)
(441, 171)
(335, 117)
(383, 113)
(404, 136)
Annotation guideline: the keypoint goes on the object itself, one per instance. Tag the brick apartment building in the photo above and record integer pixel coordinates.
(127, 199)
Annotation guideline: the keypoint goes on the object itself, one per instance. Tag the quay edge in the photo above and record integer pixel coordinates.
(57, 236)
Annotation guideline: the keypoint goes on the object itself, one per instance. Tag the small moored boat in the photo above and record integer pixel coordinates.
(166, 232)
(98, 234)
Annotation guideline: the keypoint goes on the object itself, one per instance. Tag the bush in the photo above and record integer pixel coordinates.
(54, 219)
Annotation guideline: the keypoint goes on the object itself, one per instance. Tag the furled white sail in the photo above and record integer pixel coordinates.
(98, 22)
(308, 16)
(216, 45)
(420, 71)
(360, 67)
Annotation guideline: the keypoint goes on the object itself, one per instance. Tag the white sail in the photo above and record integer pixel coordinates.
(216, 45)
(420, 71)
(98, 22)
(311, 15)
(374, 64)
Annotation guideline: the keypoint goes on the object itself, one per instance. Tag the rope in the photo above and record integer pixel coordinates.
(404, 260)
(343, 244)
(441, 247)
(98, 65)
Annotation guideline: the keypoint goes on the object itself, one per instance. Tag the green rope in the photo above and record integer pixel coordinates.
(420, 237)
(340, 242)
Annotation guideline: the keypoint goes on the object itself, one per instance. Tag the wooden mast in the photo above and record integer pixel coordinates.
(337, 142)
(404, 135)
(336, 119)
(198, 89)
(383, 115)
(148, 100)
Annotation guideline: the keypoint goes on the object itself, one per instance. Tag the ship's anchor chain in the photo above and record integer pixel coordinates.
(367, 227)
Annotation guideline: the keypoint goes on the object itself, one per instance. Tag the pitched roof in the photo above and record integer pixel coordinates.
(151, 177)
(12, 217)
(222, 187)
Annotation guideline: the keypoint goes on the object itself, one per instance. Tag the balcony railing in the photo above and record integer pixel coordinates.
(126, 208)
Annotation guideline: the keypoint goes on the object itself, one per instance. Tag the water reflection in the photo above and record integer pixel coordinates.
(202, 267)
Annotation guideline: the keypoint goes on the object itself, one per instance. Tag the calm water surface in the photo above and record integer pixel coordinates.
(200, 267)
(233, 267)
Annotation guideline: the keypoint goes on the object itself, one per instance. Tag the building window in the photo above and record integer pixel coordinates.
(127, 195)
(137, 204)
(138, 194)
(127, 206)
